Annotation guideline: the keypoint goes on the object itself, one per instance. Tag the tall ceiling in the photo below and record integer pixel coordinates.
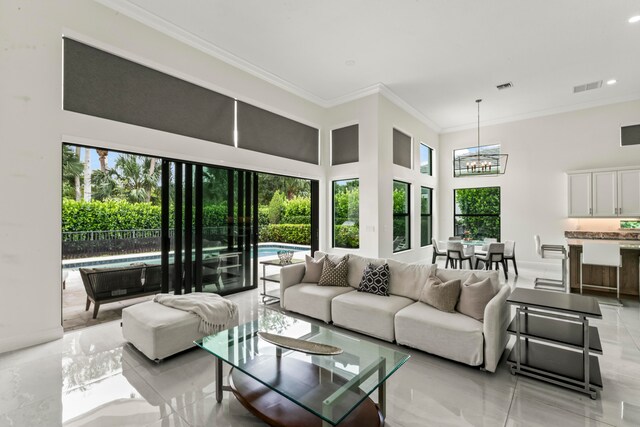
(436, 56)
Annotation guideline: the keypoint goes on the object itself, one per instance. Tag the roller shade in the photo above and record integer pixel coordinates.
(104, 85)
(630, 135)
(401, 149)
(266, 132)
(344, 145)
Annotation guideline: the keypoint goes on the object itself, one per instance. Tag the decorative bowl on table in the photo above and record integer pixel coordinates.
(285, 257)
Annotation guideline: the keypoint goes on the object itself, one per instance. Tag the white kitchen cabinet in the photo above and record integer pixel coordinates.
(629, 193)
(604, 200)
(580, 194)
(605, 194)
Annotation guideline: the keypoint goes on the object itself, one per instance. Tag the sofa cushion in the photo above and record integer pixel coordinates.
(368, 313)
(334, 274)
(407, 280)
(475, 294)
(312, 300)
(357, 265)
(375, 280)
(451, 335)
(441, 295)
(313, 269)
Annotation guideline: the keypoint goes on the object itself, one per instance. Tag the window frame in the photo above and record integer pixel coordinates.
(430, 151)
(333, 212)
(498, 215)
(426, 215)
(403, 215)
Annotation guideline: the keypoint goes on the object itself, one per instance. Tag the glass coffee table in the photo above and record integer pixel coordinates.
(288, 387)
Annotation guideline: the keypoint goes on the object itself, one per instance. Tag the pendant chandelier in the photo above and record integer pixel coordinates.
(487, 160)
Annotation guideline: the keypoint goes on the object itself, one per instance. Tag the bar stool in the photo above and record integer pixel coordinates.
(605, 255)
(551, 252)
(436, 251)
(455, 253)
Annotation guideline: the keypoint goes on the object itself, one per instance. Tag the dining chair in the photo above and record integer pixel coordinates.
(551, 252)
(437, 252)
(456, 253)
(510, 255)
(493, 257)
(455, 238)
(485, 245)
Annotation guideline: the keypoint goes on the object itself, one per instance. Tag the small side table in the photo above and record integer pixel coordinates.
(270, 298)
(554, 341)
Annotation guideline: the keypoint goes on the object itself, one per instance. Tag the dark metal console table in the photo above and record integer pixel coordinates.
(545, 317)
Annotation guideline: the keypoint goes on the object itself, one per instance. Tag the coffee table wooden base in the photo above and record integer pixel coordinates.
(276, 410)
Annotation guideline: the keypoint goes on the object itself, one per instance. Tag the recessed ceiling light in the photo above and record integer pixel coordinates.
(634, 19)
(612, 82)
(350, 62)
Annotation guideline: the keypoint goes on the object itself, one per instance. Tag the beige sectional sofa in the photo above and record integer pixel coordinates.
(401, 317)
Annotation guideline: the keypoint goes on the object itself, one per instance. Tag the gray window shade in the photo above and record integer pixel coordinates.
(344, 145)
(266, 132)
(100, 84)
(630, 135)
(401, 149)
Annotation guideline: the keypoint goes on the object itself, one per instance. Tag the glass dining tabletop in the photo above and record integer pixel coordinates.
(347, 379)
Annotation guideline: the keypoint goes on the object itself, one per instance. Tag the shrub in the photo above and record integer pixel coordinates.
(276, 207)
(346, 236)
(108, 215)
(286, 233)
(297, 211)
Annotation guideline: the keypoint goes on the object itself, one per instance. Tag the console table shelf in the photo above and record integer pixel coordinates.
(564, 333)
(554, 341)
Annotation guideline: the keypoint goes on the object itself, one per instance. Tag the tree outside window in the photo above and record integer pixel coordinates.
(477, 213)
(401, 221)
(346, 214)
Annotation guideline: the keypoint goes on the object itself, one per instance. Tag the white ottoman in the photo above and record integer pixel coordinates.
(159, 331)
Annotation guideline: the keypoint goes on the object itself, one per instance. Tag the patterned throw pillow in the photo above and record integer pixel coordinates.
(375, 280)
(442, 296)
(334, 274)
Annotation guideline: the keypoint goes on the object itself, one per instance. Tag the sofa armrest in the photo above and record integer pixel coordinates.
(290, 275)
(496, 320)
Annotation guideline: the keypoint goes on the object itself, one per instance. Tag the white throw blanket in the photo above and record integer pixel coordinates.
(214, 311)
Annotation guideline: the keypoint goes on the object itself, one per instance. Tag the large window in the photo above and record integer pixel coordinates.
(426, 223)
(401, 222)
(425, 159)
(477, 212)
(346, 214)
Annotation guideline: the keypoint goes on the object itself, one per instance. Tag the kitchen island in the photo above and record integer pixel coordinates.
(629, 243)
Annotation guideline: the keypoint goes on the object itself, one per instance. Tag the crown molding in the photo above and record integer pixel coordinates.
(401, 103)
(543, 113)
(153, 21)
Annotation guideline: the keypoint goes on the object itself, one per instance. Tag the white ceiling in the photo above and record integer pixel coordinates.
(437, 56)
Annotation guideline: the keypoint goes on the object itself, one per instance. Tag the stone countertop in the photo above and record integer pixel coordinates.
(603, 235)
(624, 244)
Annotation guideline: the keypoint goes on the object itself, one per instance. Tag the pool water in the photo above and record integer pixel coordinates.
(273, 249)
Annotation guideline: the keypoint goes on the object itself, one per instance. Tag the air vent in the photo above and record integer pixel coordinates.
(587, 86)
(504, 86)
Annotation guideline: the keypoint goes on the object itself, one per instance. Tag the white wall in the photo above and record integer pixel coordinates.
(34, 126)
(534, 188)
(390, 117)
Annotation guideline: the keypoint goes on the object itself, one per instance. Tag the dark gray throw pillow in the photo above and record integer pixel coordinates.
(375, 280)
(334, 274)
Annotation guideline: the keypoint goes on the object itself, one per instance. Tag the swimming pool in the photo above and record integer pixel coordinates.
(264, 250)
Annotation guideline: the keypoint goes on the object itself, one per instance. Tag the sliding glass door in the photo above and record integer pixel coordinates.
(209, 229)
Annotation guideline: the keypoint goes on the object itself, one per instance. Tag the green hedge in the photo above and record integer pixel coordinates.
(346, 236)
(109, 215)
(286, 233)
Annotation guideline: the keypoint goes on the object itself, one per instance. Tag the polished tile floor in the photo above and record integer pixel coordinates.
(91, 377)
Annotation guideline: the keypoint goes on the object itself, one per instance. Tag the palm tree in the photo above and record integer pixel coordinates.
(137, 177)
(102, 155)
(71, 170)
